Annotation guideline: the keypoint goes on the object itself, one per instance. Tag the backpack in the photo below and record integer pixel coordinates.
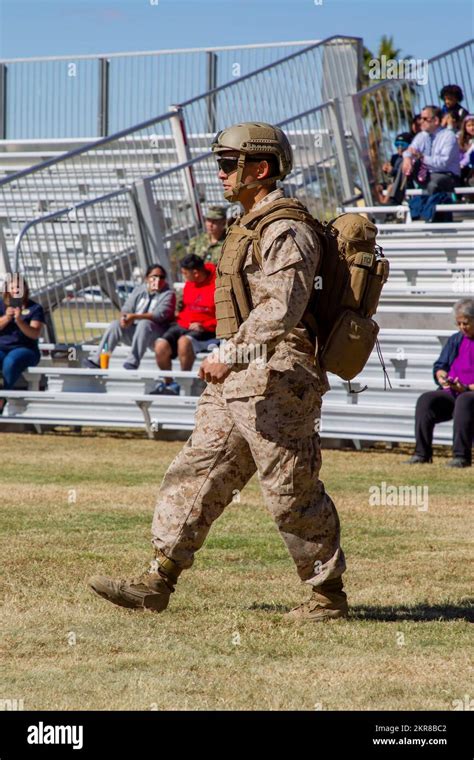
(348, 284)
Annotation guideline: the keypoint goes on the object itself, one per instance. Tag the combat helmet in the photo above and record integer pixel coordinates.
(254, 139)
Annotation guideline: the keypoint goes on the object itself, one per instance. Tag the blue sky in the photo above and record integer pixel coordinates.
(30, 28)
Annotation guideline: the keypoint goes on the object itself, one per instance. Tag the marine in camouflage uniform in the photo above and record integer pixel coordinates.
(203, 244)
(254, 416)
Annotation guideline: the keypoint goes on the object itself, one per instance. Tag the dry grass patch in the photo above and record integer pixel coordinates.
(224, 642)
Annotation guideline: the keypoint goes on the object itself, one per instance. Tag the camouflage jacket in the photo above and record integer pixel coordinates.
(201, 245)
(279, 295)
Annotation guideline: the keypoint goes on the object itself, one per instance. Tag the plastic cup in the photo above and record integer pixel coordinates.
(104, 360)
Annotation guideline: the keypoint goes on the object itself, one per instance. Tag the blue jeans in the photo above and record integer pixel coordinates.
(14, 361)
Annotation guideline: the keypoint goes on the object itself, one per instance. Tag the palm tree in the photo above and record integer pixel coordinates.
(389, 108)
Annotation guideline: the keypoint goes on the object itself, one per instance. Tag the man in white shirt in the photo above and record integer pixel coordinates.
(433, 155)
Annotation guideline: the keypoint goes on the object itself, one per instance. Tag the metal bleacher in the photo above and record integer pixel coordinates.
(92, 213)
(119, 398)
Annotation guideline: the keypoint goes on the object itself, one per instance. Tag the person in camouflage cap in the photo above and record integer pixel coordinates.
(208, 245)
(260, 410)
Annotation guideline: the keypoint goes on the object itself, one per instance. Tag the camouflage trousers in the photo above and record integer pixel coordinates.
(273, 435)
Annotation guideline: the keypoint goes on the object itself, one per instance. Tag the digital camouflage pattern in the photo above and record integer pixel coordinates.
(202, 246)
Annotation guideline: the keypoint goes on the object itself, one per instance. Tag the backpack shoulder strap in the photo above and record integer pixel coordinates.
(298, 214)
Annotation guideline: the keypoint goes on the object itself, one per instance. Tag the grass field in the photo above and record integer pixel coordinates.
(73, 506)
(70, 322)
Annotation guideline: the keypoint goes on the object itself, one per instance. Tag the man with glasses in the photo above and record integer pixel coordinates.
(433, 156)
(261, 407)
(146, 315)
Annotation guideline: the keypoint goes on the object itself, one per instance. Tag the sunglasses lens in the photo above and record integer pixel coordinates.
(227, 165)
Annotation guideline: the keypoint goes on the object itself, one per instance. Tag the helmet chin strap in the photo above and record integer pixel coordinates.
(232, 195)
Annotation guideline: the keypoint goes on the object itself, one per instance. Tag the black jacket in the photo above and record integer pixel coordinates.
(448, 354)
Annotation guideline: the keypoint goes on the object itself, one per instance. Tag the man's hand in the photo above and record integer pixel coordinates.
(10, 312)
(387, 167)
(213, 372)
(126, 320)
(407, 166)
(196, 327)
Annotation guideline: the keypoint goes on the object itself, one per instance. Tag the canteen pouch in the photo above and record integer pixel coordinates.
(377, 279)
(360, 266)
(349, 345)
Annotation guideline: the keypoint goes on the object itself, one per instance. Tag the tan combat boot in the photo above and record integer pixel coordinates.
(151, 590)
(327, 602)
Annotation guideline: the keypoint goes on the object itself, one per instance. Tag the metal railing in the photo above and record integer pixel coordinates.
(454, 66)
(79, 262)
(89, 172)
(97, 95)
(387, 107)
(278, 90)
(74, 257)
(286, 87)
(322, 178)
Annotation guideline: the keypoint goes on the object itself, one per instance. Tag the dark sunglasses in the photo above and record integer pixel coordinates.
(229, 165)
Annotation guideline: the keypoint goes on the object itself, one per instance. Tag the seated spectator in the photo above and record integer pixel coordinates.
(452, 95)
(195, 327)
(146, 314)
(432, 159)
(21, 322)
(452, 122)
(466, 147)
(208, 244)
(415, 125)
(454, 374)
(396, 190)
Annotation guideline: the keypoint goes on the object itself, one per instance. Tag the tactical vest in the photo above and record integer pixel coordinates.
(232, 299)
(352, 270)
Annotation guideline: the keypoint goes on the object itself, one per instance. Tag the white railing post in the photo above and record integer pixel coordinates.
(146, 224)
(103, 114)
(341, 149)
(3, 101)
(5, 265)
(183, 151)
(361, 146)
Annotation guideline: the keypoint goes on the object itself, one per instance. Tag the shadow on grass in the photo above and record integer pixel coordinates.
(417, 613)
